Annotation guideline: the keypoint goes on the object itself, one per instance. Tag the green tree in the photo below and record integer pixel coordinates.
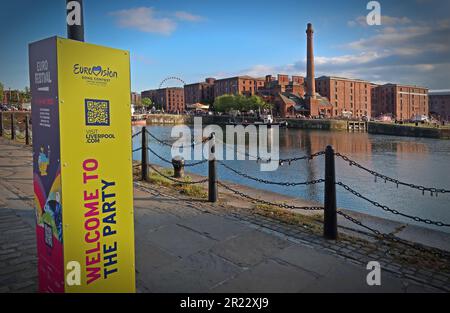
(147, 102)
(257, 103)
(227, 103)
(26, 94)
(1, 92)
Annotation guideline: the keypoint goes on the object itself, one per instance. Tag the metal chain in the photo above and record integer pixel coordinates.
(256, 157)
(138, 133)
(157, 139)
(169, 144)
(160, 157)
(176, 180)
(195, 163)
(280, 205)
(387, 209)
(269, 182)
(170, 162)
(395, 239)
(432, 190)
(281, 162)
(306, 157)
(245, 153)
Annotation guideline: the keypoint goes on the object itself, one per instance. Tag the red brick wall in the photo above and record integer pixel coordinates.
(440, 104)
(171, 99)
(403, 102)
(346, 95)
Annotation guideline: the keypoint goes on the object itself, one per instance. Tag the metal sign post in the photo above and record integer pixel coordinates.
(75, 20)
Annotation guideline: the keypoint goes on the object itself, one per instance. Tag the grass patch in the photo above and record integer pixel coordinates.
(311, 222)
(155, 178)
(419, 259)
(194, 191)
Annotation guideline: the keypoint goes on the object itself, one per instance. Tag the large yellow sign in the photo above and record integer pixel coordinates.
(96, 176)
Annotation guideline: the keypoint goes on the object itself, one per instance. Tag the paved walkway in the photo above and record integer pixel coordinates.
(185, 245)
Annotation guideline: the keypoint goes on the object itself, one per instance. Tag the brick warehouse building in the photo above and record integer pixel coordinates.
(403, 102)
(349, 97)
(242, 85)
(171, 99)
(284, 92)
(440, 104)
(283, 83)
(136, 99)
(202, 92)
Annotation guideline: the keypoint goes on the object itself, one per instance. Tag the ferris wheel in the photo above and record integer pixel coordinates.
(165, 80)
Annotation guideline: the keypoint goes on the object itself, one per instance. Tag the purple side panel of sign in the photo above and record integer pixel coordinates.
(46, 163)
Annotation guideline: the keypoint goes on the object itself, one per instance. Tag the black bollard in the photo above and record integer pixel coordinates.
(178, 167)
(13, 127)
(144, 154)
(27, 131)
(330, 215)
(1, 124)
(212, 171)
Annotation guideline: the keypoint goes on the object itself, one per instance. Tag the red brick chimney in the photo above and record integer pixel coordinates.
(310, 81)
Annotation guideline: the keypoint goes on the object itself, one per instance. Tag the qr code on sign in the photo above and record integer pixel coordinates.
(97, 112)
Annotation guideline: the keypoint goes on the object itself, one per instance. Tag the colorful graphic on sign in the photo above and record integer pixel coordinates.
(83, 178)
(46, 164)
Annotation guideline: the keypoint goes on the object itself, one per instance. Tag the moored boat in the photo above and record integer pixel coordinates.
(139, 119)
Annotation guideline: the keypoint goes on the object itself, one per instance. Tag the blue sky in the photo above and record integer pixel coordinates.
(194, 39)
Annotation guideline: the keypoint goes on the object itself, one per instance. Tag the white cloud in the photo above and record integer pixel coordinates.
(354, 59)
(386, 20)
(186, 16)
(147, 19)
(413, 53)
(258, 70)
(143, 19)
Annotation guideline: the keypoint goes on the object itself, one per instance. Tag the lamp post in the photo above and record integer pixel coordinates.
(75, 20)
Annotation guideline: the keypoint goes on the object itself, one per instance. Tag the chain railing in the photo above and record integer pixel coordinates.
(171, 144)
(269, 203)
(269, 182)
(393, 211)
(12, 131)
(392, 238)
(432, 190)
(281, 162)
(182, 182)
(329, 208)
(171, 161)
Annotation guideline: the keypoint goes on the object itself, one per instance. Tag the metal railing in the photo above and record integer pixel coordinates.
(16, 126)
(330, 221)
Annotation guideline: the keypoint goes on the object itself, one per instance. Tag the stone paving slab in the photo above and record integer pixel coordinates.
(269, 276)
(199, 272)
(18, 261)
(249, 248)
(214, 227)
(178, 240)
